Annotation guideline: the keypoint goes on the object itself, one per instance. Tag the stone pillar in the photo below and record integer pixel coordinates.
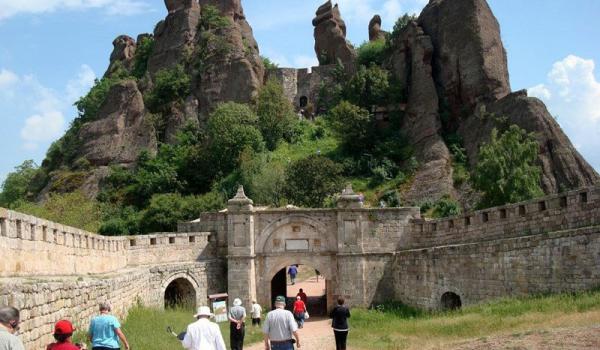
(241, 271)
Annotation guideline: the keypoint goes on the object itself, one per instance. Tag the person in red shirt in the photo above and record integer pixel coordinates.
(299, 311)
(302, 296)
(63, 331)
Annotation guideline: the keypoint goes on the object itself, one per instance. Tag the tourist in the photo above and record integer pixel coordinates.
(105, 331)
(256, 313)
(340, 315)
(237, 315)
(279, 328)
(9, 325)
(293, 271)
(299, 311)
(302, 296)
(203, 334)
(63, 331)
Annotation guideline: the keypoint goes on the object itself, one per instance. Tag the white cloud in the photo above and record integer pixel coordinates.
(572, 94)
(81, 85)
(43, 127)
(9, 8)
(7, 78)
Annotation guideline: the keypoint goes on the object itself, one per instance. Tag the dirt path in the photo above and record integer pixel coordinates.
(316, 335)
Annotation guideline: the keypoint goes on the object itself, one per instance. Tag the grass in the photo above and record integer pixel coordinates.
(395, 326)
(145, 328)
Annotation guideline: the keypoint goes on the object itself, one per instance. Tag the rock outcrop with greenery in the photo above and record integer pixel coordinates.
(422, 116)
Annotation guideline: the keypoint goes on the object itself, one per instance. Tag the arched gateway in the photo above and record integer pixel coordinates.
(348, 245)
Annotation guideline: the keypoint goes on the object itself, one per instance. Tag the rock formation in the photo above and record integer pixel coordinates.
(375, 32)
(234, 70)
(122, 129)
(122, 55)
(330, 37)
(174, 36)
(411, 62)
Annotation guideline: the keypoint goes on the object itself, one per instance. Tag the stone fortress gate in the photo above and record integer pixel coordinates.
(550, 244)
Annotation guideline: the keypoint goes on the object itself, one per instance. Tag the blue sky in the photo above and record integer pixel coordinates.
(51, 50)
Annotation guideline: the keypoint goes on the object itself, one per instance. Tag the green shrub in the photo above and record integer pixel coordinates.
(401, 23)
(507, 171)
(89, 105)
(170, 85)
(391, 199)
(64, 181)
(16, 187)
(446, 207)
(352, 126)
(269, 65)
(143, 52)
(275, 114)
(371, 52)
(368, 87)
(310, 180)
(212, 19)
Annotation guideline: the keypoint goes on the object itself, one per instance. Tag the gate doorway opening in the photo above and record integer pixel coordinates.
(312, 283)
(180, 293)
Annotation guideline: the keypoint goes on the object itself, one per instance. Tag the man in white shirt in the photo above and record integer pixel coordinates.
(255, 314)
(9, 325)
(279, 327)
(203, 334)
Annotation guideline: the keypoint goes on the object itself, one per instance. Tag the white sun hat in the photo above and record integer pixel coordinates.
(203, 311)
(237, 302)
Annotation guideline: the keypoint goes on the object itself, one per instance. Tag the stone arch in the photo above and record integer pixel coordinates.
(180, 288)
(450, 301)
(299, 219)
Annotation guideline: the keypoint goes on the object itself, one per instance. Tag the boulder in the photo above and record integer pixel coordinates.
(235, 75)
(411, 64)
(330, 37)
(121, 131)
(375, 32)
(123, 54)
(469, 59)
(174, 36)
(562, 165)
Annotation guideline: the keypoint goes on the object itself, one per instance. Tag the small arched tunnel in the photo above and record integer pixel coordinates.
(451, 301)
(180, 293)
(303, 101)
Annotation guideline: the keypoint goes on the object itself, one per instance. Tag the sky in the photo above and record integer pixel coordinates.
(52, 50)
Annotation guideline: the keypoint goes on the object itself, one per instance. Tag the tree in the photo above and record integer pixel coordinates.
(368, 87)
(232, 127)
(311, 180)
(275, 114)
(170, 85)
(351, 125)
(371, 52)
(17, 184)
(143, 52)
(506, 171)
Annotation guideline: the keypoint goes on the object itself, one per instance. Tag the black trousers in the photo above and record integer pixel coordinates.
(256, 321)
(340, 339)
(236, 336)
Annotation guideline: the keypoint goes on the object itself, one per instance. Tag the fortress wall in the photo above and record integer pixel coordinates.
(35, 247)
(570, 210)
(560, 261)
(209, 222)
(43, 301)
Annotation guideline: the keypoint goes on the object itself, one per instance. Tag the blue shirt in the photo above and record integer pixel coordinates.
(102, 329)
(293, 270)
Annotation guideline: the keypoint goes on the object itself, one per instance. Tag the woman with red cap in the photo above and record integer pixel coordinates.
(63, 331)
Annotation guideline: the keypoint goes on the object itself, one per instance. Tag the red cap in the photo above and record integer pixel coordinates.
(63, 327)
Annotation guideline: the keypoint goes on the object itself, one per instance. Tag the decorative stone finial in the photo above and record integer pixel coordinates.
(349, 199)
(240, 201)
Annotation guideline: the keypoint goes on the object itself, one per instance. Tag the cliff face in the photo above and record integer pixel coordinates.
(330, 37)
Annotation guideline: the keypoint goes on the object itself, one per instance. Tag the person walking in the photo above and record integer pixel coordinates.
(256, 313)
(63, 331)
(203, 334)
(299, 311)
(293, 271)
(340, 315)
(302, 296)
(237, 315)
(279, 327)
(105, 331)
(9, 325)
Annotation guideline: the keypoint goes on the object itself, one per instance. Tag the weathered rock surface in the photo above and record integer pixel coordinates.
(122, 130)
(123, 54)
(174, 36)
(375, 32)
(236, 75)
(411, 64)
(330, 36)
(562, 165)
(469, 59)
